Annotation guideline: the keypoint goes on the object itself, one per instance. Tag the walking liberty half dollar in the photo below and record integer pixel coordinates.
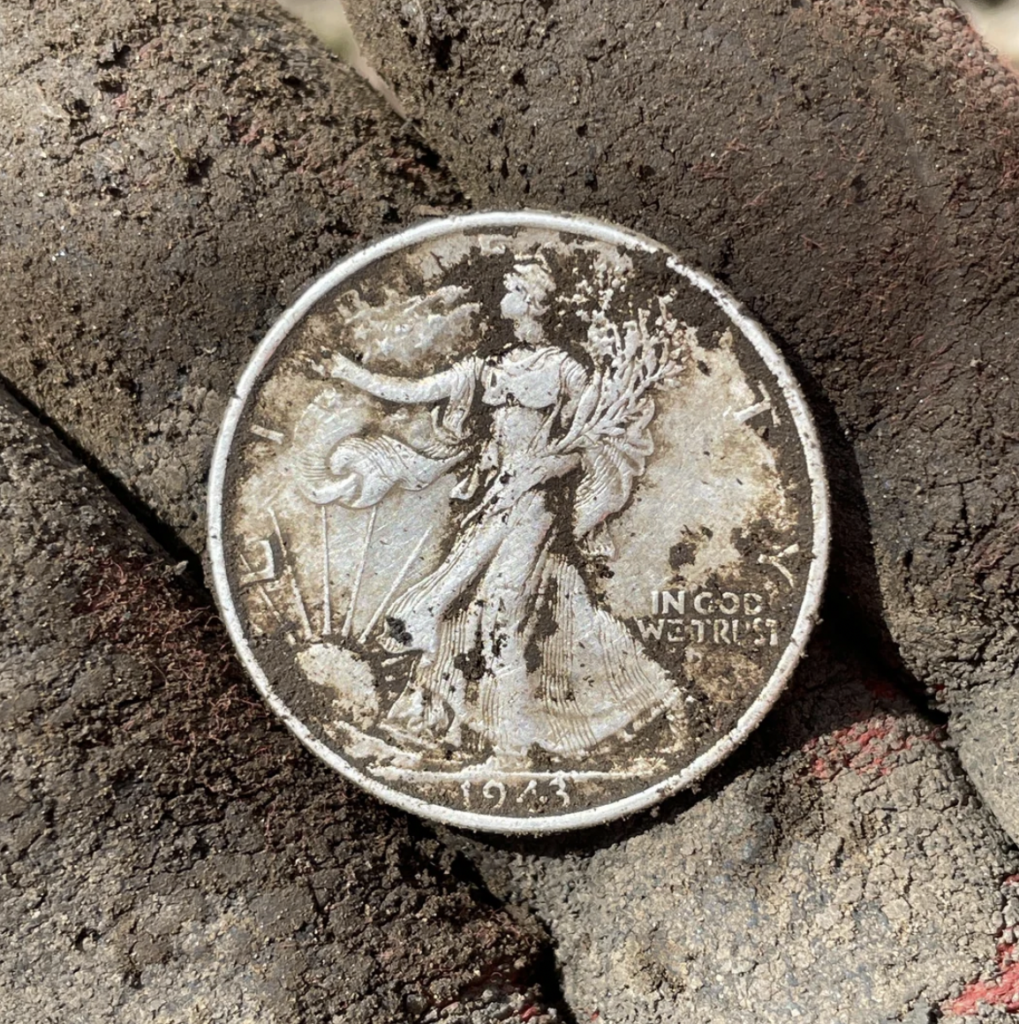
(518, 522)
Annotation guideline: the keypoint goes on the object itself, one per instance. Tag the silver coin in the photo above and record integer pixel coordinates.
(518, 522)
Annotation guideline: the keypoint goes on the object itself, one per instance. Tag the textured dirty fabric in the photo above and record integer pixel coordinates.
(840, 869)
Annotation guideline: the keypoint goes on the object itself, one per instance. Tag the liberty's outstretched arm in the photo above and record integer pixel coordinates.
(406, 390)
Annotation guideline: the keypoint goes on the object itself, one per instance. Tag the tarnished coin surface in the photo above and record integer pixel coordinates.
(518, 522)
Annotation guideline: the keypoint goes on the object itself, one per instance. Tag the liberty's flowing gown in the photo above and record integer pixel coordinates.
(511, 644)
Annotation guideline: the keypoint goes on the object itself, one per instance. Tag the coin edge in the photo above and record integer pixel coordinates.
(813, 456)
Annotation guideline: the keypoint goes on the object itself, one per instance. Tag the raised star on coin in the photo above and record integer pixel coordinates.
(518, 522)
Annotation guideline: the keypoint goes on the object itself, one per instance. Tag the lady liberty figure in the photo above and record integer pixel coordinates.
(510, 642)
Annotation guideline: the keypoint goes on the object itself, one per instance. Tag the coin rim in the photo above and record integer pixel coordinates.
(766, 349)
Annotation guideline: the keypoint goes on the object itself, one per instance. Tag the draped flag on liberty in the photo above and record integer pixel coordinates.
(515, 522)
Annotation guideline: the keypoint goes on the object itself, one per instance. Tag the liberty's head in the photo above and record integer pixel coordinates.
(529, 289)
(531, 374)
